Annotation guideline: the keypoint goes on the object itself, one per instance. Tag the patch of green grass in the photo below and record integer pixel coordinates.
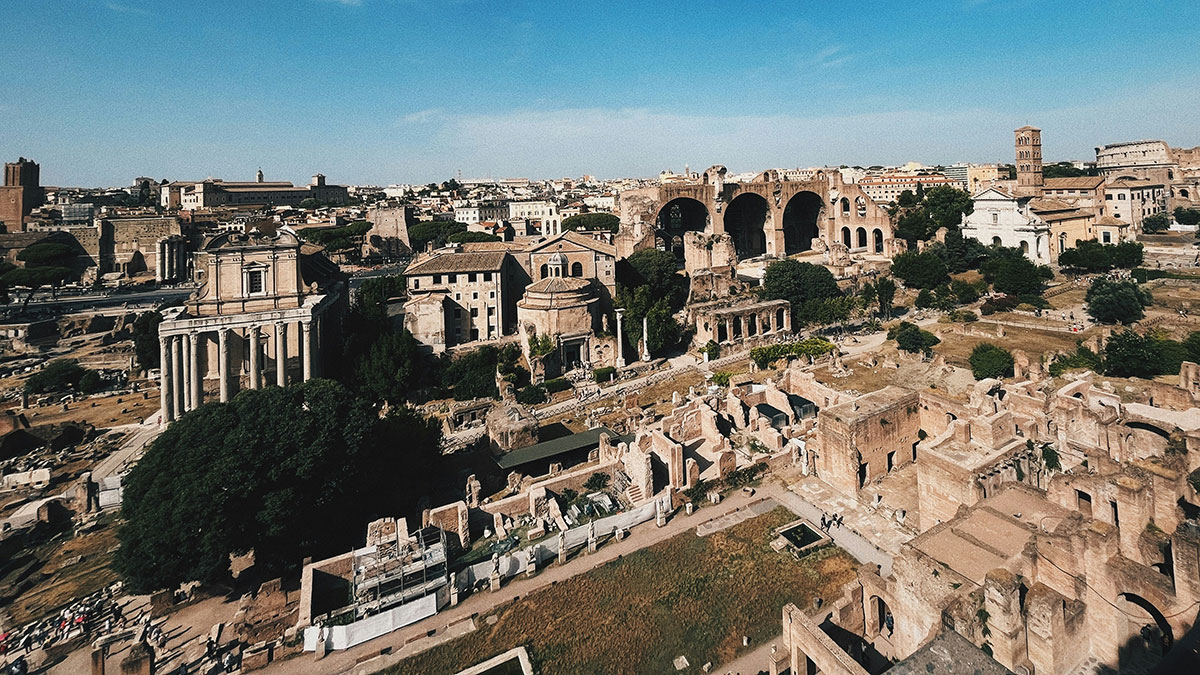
(689, 595)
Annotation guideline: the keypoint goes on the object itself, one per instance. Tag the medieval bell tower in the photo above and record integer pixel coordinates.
(1029, 161)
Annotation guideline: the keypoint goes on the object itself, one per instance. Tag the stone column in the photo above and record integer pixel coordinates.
(255, 359)
(281, 354)
(223, 362)
(306, 349)
(177, 374)
(645, 342)
(185, 367)
(166, 383)
(159, 259)
(620, 340)
(170, 251)
(194, 366)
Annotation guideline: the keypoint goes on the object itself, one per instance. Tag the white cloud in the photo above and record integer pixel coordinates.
(421, 116)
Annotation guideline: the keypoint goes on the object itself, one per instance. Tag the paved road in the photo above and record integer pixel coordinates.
(43, 302)
(131, 450)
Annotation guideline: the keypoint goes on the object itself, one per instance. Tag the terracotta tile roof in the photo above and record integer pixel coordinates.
(580, 239)
(467, 261)
(1074, 183)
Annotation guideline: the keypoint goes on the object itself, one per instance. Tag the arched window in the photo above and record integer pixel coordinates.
(545, 271)
(860, 205)
(845, 206)
(576, 269)
(846, 236)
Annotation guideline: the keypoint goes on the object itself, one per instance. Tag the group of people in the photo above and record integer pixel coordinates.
(830, 521)
(97, 613)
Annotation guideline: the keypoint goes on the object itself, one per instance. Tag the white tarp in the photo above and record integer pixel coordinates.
(345, 637)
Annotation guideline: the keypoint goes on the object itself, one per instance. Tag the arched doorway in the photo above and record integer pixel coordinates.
(878, 234)
(861, 237)
(674, 219)
(1183, 192)
(800, 218)
(846, 238)
(1152, 634)
(881, 617)
(746, 220)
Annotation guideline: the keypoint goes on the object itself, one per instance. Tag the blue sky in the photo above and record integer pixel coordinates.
(387, 91)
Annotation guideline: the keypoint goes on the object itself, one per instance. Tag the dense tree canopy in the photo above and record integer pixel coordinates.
(1116, 301)
(1092, 256)
(464, 237)
(1187, 216)
(987, 360)
(592, 222)
(1158, 222)
(910, 338)
(920, 270)
(338, 239)
(1010, 272)
(145, 339)
(648, 286)
(919, 216)
(436, 231)
(286, 472)
(62, 376)
(1129, 354)
(804, 285)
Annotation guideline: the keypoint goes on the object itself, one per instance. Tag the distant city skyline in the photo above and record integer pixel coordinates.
(395, 91)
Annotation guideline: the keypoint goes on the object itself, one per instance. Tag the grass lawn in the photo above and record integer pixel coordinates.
(689, 595)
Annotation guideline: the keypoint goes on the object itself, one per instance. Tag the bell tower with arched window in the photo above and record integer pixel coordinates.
(1029, 161)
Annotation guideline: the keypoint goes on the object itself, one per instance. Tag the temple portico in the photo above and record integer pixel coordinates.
(267, 304)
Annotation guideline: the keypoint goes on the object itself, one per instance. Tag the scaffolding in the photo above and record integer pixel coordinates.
(399, 570)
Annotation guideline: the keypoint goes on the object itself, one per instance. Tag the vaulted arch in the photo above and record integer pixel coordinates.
(747, 219)
(800, 221)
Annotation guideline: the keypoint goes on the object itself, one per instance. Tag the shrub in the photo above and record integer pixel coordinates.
(531, 395)
(963, 316)
(603, 374)
(920, 270)
(59, 376)
(597, 481)
(1116, 301)
(987, 360)
(1083, 358)
(90, 383)
(720, 378)
(925, 299)
(713, 350)
(965, 292)
(765, 356)
(910, 338)
(556, 385)
(540, 345)
(999, 303)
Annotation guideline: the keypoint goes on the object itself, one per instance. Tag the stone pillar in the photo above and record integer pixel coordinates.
(166, 383)
(185, 366)
(620, 340)
(306, 349)
(177, 392)
(255, 359)
(194, 366)
(223, 362)
(281, 354)
(645, 342)
(172, 270)
(159, 259)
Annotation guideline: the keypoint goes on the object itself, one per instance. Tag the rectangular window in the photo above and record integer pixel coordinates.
(474, 312)
(416, 283)
(1121, 196)
(1108, 198)
(453, 278)
(491, 311)
(254, 282)
(437, 278)
(995, 218)
(471, 278)
(1107, 237)
(492, 295)
(474, 295)
(487, 276)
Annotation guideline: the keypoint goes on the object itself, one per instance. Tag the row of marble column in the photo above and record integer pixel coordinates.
(182, 380)
(172, 259)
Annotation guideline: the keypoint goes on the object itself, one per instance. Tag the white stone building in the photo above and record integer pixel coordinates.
(1000, 218)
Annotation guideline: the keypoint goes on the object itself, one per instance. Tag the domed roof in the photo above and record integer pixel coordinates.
(558, 259)
(557, 285)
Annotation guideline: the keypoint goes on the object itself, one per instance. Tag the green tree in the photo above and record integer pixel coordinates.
(925, 299)
(799, 283)
(145, 339)
(964, 292)
(910, 338)
(1192, 346)
(1010, 272)
(47, 254)
(987, 360)
(920, 270)
(310, 203)
(393, 366)
(592, 222)
(885, 290)
(464, 237)
(1128, 354)
(960, 253)
(1187, 216)
(946, 206)
(913, 225)
(437, 232)
(1158, 222)
(287, 472)
(58, 376)
(907, 199)
(1116, 301)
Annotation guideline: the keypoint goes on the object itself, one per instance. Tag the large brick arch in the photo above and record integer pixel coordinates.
(785, 230)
